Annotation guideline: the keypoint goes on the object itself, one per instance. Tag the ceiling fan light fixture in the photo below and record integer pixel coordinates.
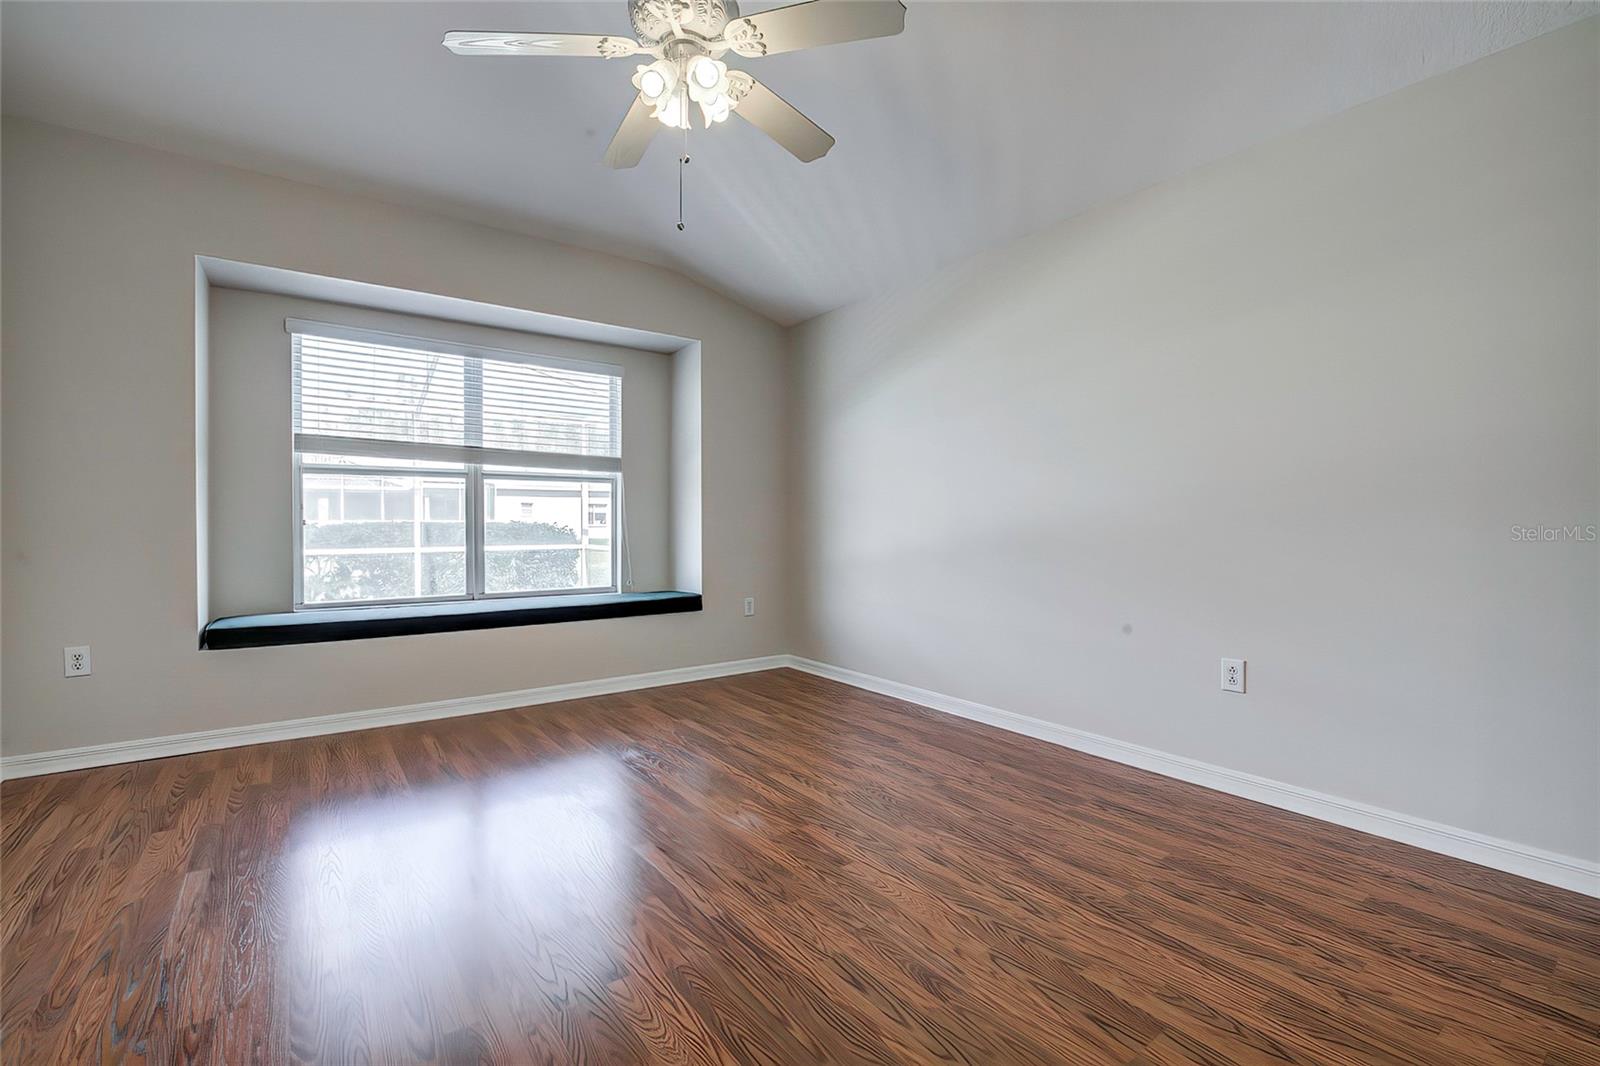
(655, 81)
(673, 111)
(686, 39)
(708, 86)
(716, 109)
(708, 79)
(707, 73)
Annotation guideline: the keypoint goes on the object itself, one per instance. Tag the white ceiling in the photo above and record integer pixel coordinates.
(982, 122)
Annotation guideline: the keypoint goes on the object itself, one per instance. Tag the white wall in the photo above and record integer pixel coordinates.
(100, 516)
(1287, 408)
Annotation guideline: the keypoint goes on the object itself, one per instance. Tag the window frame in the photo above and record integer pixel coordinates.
(472, 460)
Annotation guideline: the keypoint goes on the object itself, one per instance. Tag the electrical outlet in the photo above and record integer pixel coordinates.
(1233, 675)
(749, 606)
(76, 661)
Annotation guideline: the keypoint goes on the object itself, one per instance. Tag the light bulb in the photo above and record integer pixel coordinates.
(655, 81)
(705, 72)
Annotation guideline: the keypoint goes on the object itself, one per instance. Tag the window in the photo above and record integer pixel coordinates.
(428, 470)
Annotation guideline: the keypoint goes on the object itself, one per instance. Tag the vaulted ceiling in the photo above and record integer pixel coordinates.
(982, 122)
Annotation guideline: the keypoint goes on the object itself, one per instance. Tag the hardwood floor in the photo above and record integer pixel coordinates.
(770, 868)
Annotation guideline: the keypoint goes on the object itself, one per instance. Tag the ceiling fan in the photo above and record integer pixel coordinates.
(688, 39)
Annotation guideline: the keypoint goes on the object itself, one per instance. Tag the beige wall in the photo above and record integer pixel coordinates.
(1287, 408)
(100, 523)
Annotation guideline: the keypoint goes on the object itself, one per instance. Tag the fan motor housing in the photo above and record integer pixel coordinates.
(701, 18)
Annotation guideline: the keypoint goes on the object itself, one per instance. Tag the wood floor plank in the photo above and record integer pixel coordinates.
(768, 868)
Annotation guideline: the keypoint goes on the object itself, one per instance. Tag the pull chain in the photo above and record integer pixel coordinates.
(683, 161)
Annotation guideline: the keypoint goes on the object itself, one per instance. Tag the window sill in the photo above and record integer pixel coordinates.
(362, 623)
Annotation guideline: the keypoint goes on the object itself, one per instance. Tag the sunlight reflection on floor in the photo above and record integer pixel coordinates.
(522, 882)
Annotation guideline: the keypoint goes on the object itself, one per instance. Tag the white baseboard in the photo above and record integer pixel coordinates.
(52, 762)
(1563, 871)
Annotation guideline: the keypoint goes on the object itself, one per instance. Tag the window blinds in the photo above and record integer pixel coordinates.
(382, 394)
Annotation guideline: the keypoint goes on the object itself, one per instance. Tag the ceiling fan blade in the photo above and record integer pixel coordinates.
(485, 43)
(812, 24)
(778, 119)
(632, 137)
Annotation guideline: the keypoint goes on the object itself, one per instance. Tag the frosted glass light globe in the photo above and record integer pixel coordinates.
(674, 112)
(705, 72)
(716, 109)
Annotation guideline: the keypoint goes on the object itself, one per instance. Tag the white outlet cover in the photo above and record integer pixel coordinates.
(75, 661)
(749, 606)
(1233, 675)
